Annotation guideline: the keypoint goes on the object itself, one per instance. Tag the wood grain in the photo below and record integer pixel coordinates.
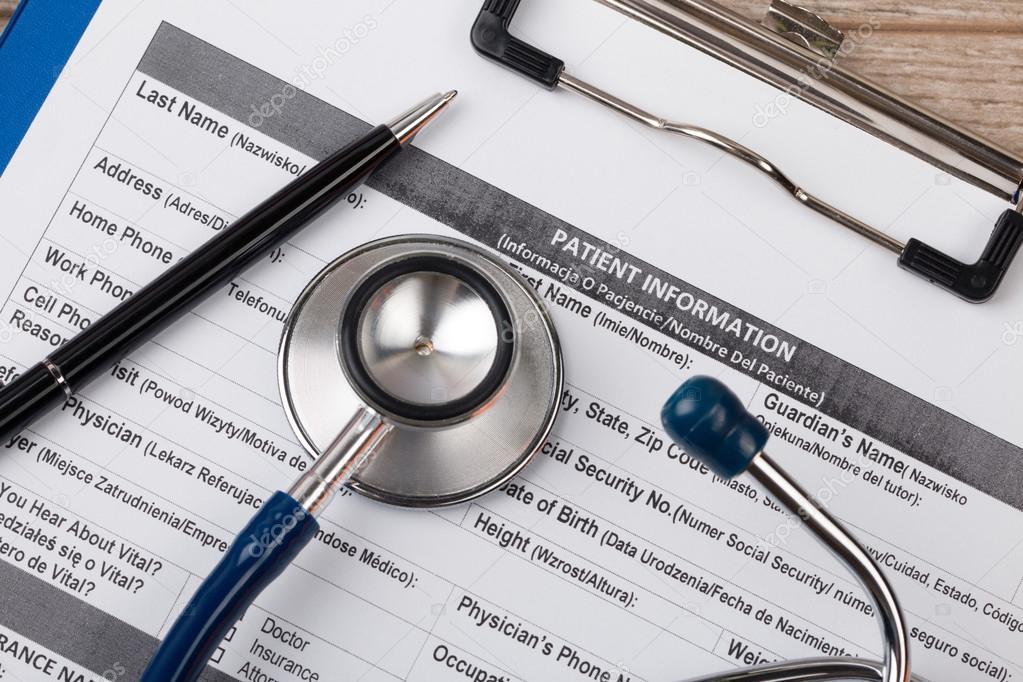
(961, 58)
(6, 7)
(960, 16)
(973, 82)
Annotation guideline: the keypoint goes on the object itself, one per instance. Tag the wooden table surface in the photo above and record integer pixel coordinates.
(961, 58)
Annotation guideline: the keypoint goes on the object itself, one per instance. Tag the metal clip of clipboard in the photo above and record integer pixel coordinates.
(783, 53)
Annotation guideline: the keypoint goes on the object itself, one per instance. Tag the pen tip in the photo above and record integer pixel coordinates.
(408, 125)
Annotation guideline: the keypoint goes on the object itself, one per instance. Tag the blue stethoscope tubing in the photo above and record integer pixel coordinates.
(262, 550)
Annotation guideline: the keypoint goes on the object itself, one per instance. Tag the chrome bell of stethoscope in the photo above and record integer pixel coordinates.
(451, 368)
(711, 424)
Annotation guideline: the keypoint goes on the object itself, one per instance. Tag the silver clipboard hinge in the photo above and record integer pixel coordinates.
(784, 62)
(805, 28)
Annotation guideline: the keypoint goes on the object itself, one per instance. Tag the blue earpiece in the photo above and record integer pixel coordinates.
(711, 424)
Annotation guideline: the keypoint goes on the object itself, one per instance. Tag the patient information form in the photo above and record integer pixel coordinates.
(614, 557)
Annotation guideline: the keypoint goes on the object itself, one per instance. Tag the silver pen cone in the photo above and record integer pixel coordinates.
(408, 125)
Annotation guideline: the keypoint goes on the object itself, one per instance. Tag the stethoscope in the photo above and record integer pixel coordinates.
(453, 369)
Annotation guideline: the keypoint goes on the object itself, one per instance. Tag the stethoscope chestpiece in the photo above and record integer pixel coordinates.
(452, 348)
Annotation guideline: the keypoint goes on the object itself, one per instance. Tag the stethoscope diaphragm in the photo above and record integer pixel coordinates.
(425, 339)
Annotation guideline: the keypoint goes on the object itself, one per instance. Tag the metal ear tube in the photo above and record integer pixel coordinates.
(316, 487)
(711, 424)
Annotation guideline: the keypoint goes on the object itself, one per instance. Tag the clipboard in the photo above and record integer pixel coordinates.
(789, 46)
(797, 52)
(34, 49)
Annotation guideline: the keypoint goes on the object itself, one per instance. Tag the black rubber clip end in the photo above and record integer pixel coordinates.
(491, 38)
(975, 283)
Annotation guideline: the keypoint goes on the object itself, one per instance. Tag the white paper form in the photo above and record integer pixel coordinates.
(614, 556)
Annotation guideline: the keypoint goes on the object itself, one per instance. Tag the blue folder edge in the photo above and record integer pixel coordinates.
(34, 48)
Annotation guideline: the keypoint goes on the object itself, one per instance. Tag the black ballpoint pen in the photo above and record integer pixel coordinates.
(95, 350)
